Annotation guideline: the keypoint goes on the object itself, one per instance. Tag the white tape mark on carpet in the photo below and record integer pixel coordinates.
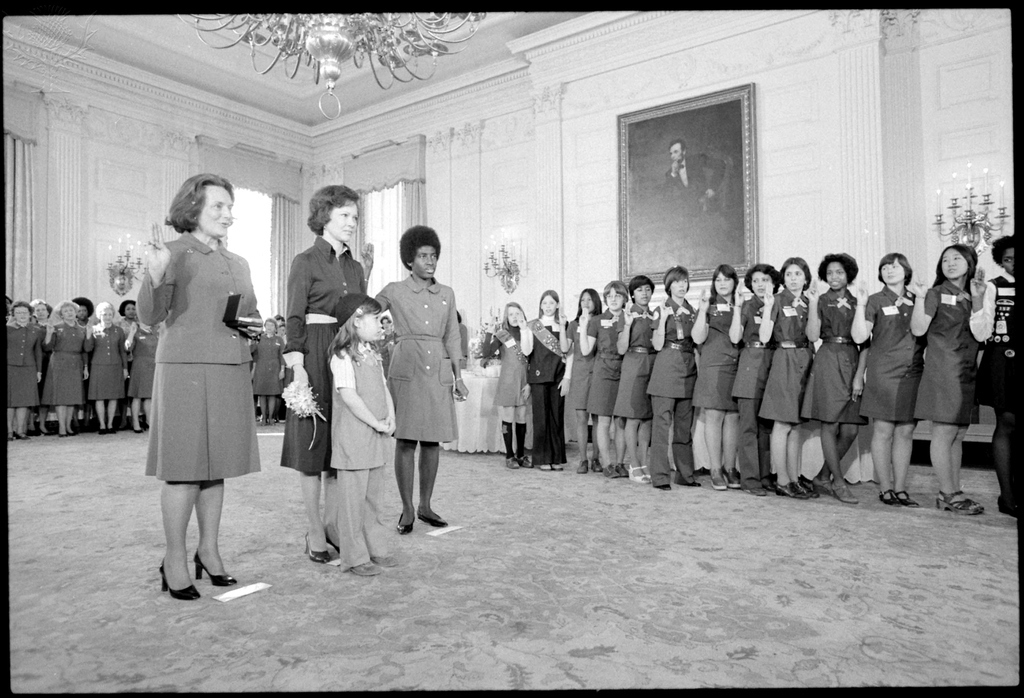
(242, 591)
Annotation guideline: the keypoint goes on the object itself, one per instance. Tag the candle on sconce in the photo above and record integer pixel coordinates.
(1002, 194)
(968, 175)
(938, 203)
(985, 172)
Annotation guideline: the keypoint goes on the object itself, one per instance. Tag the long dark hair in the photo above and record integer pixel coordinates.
(594, 298)
(967, 253)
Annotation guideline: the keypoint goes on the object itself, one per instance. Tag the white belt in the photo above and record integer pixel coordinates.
(319, 319)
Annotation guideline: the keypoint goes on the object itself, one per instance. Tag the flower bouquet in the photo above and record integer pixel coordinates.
(299, 398)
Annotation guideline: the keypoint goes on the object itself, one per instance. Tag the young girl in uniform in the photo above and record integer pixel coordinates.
(602, 338)
(362, 422)
(836, 381)
(893, 372)
(578, 373)
(513, 391)
(751, 375)
(719, 357)
(996, 376)
(786, 324)
(546, 378)
(268, 371)
(671, 385)
(946, 393)
(632, 404)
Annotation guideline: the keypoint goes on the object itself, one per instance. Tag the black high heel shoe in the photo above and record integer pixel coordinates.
(218, 580)
(322, 557)
(187, 594)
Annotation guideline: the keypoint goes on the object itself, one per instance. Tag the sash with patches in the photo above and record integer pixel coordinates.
(506, 338)
(545, 337)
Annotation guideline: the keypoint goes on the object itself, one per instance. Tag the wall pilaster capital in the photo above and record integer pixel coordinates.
(65, 114)
(547, 102)
(441, 142)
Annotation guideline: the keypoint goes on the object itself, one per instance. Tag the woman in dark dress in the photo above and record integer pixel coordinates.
(946, 393)
(319, 277)
(633, 411)
(836, 380)
(202, 428)
(108, 367)
(509, 339)
(786, 324)
(40, 314)
(268, 371)
(755, 361)
(142, 341)
(424, 377)
(546, 376)
(601, 339)
(997, 375)
(719, 357)
(893, 372)
(69, 345)
(578, 371)
(24, 368)
(671, 386)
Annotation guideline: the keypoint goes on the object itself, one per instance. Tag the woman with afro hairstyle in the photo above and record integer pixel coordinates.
(424, 370)
(836, 381)
(996, 376)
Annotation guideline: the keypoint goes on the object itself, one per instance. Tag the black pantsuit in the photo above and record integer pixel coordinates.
(544, 373)
(754, 445)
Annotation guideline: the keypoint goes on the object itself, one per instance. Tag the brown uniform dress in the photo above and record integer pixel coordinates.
(202, 426)
(24, 362)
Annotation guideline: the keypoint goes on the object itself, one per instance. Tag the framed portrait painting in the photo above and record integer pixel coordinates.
(687, 186)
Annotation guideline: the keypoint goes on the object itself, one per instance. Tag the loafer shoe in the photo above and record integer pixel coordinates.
(367, 569)
(511, 464)
(718, 481)
(791, 490)
(584, 467)
(732, 479)
(526, 462)
(387, 561)
(843, 494)
(757, 491)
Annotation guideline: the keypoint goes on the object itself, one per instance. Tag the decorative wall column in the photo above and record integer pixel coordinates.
(177, 168)
(439, 193)
(465, 245)
(861, 229)
(906, 218)
(64, 186)
(546, 258)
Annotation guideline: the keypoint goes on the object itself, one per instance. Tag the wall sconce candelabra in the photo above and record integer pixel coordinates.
(973, 223)
(505, 267)
(123, 270)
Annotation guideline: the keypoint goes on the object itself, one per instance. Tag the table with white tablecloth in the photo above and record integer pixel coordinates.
(478, 419)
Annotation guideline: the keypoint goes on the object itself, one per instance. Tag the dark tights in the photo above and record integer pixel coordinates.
(836, 440)
(405, 471)
(1002, 439)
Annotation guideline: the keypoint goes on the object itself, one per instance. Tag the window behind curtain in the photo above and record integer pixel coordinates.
(249, 237)
(381, 217)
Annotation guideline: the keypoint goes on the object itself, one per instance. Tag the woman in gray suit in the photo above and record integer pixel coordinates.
(202, 429)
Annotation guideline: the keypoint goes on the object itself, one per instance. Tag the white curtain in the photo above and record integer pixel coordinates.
(19, 220)
(286, 215)
(386, 214)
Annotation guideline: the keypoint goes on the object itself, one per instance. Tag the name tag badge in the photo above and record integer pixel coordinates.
(948, 299)
(511, 342)
(890, 310)
(789, 311)
(1002, 291)
(722, 307)
(607, 323)
(757, 319)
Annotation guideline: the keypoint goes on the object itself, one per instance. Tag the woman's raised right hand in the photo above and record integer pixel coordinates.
(158, 257)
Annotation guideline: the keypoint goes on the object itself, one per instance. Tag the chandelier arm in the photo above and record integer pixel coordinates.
(269, 67)
(376, 76)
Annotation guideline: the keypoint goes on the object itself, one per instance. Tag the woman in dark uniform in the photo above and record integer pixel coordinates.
(786, 324)
(632, 403)
(893, 372)
(202, 426)
(40, 314)
(837, 374)
(142, 341)
(946, 393)
(601, 339)
(719, 357)
(268, 371)
(319, 277)
(108, 367)
(755, 361)
(24, 368)
(69, 345)
(996, 376)
(672, 382)
(578, 371)
(424, 370)
(545, 374)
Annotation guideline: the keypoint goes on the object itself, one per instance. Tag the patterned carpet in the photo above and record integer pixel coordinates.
(554, 581)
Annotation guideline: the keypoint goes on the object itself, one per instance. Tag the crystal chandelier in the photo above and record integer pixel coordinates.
(397, 45)
(123, 271)
(973, 223)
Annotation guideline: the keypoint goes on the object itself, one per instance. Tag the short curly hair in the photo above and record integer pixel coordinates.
(83, 302)
(766, 269)
(324, 201)
(800, 262)
(848, 262)
(413, 239)
(1000, 246)
(188, 203)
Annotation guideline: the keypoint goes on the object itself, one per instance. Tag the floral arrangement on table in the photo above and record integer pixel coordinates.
(299, 398)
